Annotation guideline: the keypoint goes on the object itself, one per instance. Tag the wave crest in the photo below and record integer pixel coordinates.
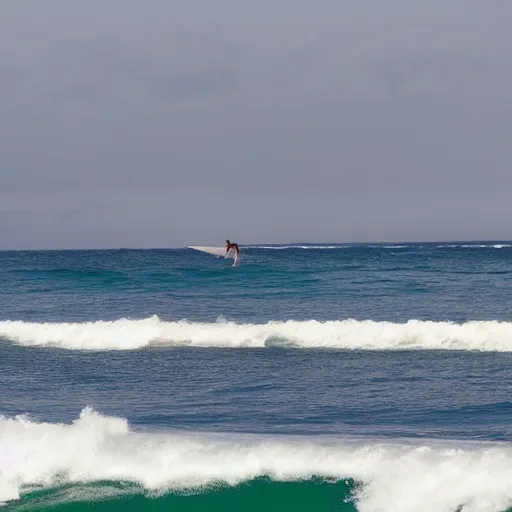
(397, 476)
(127, 334)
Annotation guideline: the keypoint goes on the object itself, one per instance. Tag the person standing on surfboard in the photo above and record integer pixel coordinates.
(233, 246)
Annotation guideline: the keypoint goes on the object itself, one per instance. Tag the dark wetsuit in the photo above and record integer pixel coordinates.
(232, 246)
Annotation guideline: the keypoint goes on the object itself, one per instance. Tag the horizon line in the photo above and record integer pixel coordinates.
(255, 245)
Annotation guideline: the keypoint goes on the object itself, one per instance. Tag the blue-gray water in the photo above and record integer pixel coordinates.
(306, 378)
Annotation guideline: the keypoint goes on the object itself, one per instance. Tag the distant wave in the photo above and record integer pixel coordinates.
(396, 476)
(339, 246)
(127, 334)
(474, 246)
(385, 246)
(281, 247)
(390, 246)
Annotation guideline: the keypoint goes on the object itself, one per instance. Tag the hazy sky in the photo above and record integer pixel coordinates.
(166, 122)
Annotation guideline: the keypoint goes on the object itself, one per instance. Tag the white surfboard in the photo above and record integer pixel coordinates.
(220, 252)
(215, 251)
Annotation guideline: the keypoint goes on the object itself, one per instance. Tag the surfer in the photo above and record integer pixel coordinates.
(233, 246)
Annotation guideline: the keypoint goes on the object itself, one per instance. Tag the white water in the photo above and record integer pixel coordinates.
(381, 246)
(281, 247)
(398, 476)
(475, 246)
(125, 334)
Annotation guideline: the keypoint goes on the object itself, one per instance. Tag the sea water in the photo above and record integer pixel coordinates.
(310, 377)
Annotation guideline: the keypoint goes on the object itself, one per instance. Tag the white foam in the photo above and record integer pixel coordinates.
(382, 246)
(344, 246)
(281, 247)
(397, 476)
(474, 246)
(125, 334)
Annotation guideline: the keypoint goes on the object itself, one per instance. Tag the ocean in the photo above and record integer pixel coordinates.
(369, 378)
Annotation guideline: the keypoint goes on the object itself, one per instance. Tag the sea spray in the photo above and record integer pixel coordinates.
(397, 476)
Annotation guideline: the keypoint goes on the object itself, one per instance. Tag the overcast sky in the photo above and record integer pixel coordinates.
(166, 122)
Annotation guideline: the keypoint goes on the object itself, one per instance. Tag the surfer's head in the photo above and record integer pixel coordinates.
(228, 242)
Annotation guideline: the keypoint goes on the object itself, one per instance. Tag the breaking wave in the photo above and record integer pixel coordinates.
(281, 247)
(393, 476)
(128, 334)
(416, 245)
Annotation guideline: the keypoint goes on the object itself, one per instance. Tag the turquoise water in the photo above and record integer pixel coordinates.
(361, 377)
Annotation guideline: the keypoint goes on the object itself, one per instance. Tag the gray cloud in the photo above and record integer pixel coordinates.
(163, 124)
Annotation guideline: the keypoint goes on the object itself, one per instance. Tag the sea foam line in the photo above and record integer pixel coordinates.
(416, 245)
(127, 334)
(319, 247)
(282, 247)
(397, 476)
